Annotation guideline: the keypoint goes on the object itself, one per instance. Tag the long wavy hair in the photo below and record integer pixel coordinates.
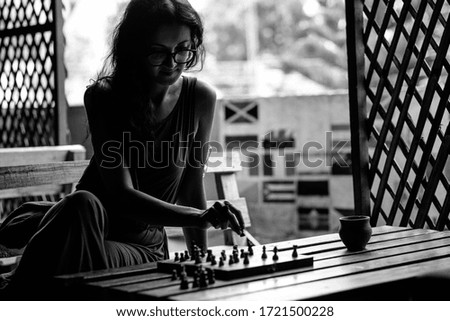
(125, 62)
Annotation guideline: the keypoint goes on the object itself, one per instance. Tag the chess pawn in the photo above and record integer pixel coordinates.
(275, 254)
(236, 257)
(250, 250)
(195, 282)
(203, 279)
(264, 254)
(182, 259)
(231, 260)
(177, 258)
(184, 284)
(208, 257)
(213, 260)
(211, 276)
(186, 255)
(223, 254)
(174, 275)
(193, 247)
(183, 273)
(294, 252)
(221, 262)
(198, 258)
(246, 260)
(242, 253)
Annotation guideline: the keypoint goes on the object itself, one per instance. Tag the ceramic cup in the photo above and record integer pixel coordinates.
(355, 231)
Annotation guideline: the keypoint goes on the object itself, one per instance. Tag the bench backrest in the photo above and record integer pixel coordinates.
(33, 171)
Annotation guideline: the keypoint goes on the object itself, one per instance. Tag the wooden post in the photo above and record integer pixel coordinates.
(357, 103)
(62, 129)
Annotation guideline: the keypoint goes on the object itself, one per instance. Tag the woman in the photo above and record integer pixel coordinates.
(150, 126)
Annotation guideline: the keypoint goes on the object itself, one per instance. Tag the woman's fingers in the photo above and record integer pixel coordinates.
(238, 214)
(234, 223)
(221, 215)
(212, 216)
(230, 217)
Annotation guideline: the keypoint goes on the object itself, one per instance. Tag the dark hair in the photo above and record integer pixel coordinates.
(129, 49)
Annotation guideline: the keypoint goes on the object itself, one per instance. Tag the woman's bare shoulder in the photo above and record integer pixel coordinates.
(205, 97)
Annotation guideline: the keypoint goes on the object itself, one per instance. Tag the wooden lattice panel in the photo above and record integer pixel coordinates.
(406, 85)
(28, 73)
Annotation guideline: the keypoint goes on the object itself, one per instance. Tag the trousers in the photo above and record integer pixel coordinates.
(72, 237)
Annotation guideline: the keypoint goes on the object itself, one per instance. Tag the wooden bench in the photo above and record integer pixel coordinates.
(45, 172)
(52, 170)
(34, 171)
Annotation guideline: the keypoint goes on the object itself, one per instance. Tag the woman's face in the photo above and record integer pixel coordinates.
(160, 65)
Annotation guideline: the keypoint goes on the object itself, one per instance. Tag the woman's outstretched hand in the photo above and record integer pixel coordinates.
(224, 215)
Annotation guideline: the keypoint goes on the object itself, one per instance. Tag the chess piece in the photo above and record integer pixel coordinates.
(264, 254)
(195, 282)
(183, 273)
(236, 257)
(213, 260)
(231, 260)
(211, 276)
(184, 284)
(242, 253)
(275, 254)
(294, 252)
(203, 279)
(246, 260)
(177, 258)
(193, 246)
(221, 262)
(250, 250)
(198, 258)
(208, 257)
(186, 255)
(223, 254)
(174, 275)
(182, 259)
(235, 247)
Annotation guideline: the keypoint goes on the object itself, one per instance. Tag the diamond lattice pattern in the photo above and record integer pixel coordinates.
(408, 88)
(27, 73)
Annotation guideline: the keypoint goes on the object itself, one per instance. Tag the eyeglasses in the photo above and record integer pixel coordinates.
(182, 56)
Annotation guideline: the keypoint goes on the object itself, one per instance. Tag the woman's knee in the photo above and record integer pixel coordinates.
(81, 198)
(83, 204)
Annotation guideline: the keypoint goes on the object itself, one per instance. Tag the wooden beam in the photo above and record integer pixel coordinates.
(357, 104)
(62, 127)
(41, 174)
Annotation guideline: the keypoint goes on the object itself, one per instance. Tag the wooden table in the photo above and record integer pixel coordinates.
(398, 263)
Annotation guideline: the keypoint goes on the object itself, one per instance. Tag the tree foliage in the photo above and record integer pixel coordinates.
(313, 45)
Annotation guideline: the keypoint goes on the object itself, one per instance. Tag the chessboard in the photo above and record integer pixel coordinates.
(234, 263)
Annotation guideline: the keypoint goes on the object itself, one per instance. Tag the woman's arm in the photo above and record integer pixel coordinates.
(106, 132)
(191, 192)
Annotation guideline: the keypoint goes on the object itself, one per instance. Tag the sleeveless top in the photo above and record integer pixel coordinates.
(156, 166)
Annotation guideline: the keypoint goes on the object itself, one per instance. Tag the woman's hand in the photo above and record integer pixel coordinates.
(225, 215)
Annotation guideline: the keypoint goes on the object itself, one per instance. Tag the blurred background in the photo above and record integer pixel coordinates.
(254, 47)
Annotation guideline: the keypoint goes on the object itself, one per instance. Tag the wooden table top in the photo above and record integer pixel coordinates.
(393, 258)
